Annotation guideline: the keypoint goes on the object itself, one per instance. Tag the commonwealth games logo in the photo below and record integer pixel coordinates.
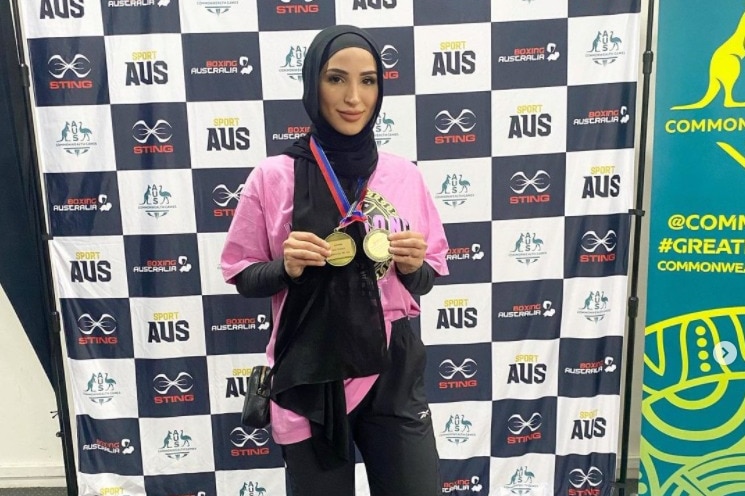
(293, 66)
(528, 248)
(75, 138)
(724, 70)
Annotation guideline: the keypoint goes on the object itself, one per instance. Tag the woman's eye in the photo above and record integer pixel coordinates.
(370, 81)
(334, 79)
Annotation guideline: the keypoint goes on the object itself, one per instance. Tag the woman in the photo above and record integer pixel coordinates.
(341, 272)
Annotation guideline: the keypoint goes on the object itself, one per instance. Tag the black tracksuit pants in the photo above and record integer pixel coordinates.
(392, 429)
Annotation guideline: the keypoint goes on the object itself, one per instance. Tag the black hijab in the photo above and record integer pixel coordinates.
(332, 322)
(350, 156)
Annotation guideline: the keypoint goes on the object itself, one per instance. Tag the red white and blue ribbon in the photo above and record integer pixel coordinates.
(350, 212)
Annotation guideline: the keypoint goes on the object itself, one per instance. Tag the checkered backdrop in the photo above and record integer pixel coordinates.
(520, 114)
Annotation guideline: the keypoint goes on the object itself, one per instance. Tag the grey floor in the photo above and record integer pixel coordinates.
(61, 491)
(34, 491)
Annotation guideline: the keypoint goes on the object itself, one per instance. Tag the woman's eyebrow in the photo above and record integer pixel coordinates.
(345, 73)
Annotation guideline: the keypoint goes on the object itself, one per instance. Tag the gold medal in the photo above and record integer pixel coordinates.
(342, 248)
(376, 245)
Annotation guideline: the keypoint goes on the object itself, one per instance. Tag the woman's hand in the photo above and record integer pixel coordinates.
(408, 249)
(303, 249)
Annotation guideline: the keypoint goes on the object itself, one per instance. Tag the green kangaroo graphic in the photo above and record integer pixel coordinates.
(724, 70)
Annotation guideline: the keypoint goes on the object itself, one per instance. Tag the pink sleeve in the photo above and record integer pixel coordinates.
(247, 241)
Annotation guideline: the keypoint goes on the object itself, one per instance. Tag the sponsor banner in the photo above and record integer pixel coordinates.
(138, 17)
(109, 446)
(458, 373)
(458, 196)
(199, 484)
(60, 18)
(90, 268)
(97, 328)
(445, 12)
(465, 476)
(595, 245)
(520, 427)
(157, 201)
(163, 265)
(599, 181)
(456, 314)
(519, 114)
(238, 447)
(226, 134)
(75, 139)
(216, 195)
(152, 136)
(83, 204)
(462, 429)
(172, 387)
(397, 54)
(690, 438)
(178, 444)
(527, 249)
(528, 186)
(371, 13)
(219, 16)
(585, 425)
(584, 475)
(164, 327)
(527, 310)
(529, 54)
(455, 58)
(252, 482)
(234, 324)
(145, 68)
(594, 307)
(603, 49)
(229, 61)
(104, 389)
(530, 474)
(529, 121)
(229, 379)
(469, 253)
(69, 71)
(525, 369)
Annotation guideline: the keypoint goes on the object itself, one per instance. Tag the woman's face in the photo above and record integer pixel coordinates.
(348, 90)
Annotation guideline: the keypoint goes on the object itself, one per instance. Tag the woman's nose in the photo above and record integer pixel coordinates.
(352, 95)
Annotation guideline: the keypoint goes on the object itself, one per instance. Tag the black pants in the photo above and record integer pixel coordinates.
(392, 429)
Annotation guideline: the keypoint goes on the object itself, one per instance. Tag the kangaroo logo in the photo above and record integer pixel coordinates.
(724, 69)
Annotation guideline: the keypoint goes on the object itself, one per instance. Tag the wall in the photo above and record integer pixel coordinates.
(30, 452)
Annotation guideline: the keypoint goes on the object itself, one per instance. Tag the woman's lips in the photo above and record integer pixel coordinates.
(350, 116)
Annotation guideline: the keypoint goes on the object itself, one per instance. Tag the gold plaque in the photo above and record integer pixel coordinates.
(376, 245)
(342, 248)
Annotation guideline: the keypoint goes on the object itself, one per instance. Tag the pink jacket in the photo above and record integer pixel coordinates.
(263, 221)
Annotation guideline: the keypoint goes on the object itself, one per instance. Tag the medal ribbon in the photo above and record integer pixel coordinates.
(350, 213)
